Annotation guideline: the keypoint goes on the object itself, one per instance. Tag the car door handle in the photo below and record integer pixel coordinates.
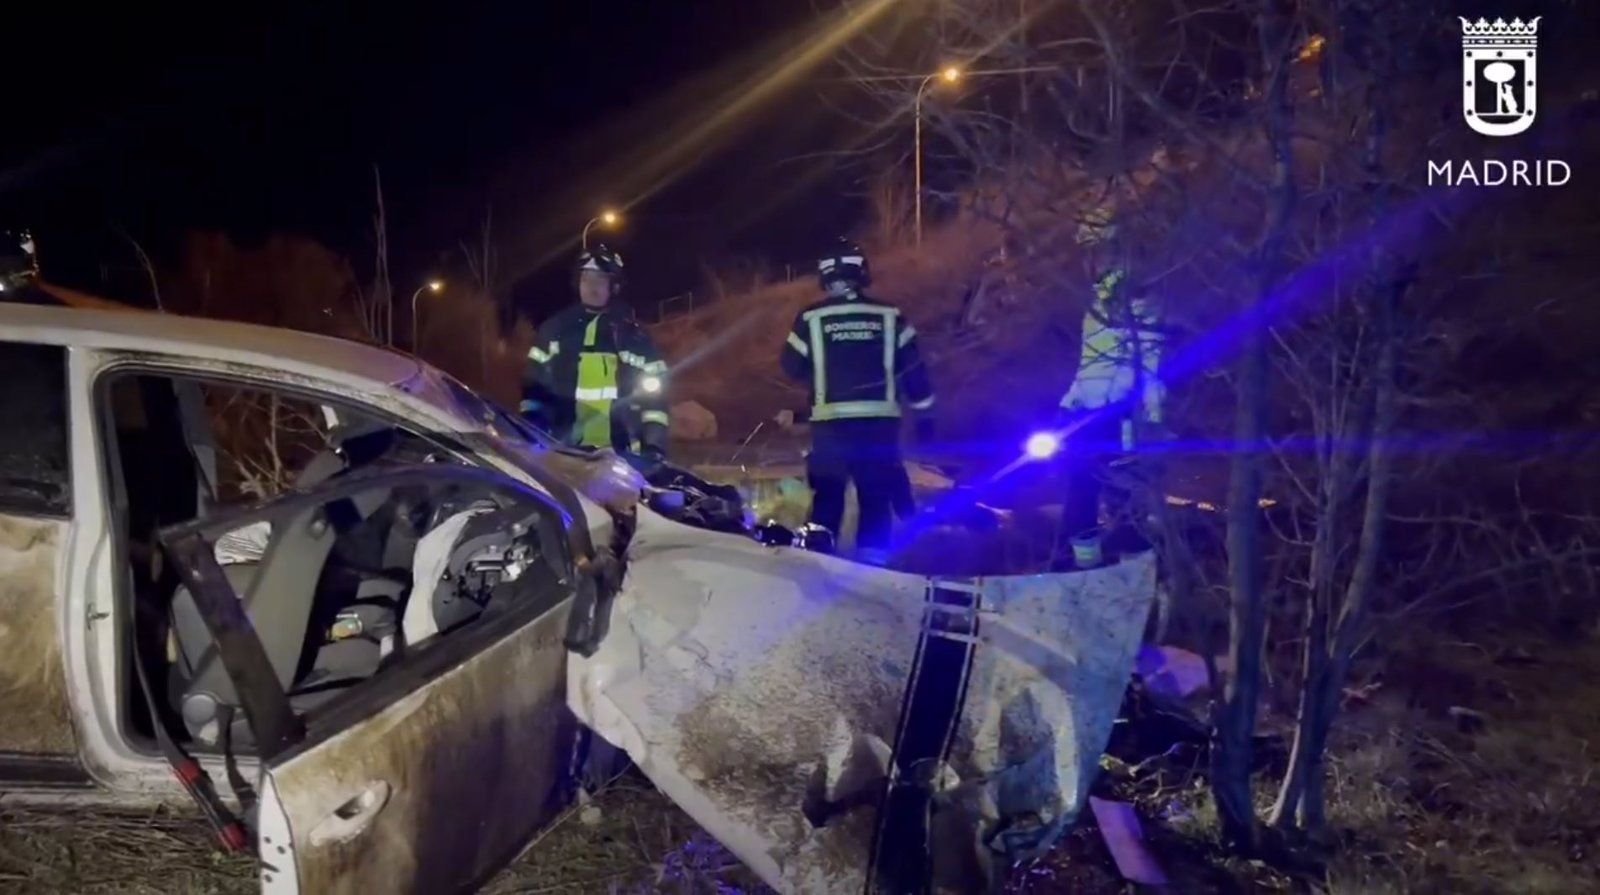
(353, 817)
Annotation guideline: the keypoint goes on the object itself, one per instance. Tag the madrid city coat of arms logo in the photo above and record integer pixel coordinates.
(1498, 77)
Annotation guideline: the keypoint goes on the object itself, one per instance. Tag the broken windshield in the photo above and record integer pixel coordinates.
(613, 484)
(497, 420)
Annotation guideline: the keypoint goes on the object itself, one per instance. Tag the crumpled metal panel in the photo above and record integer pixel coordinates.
(762, 688)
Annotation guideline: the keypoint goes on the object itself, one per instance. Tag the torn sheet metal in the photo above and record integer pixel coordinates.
(765, 690)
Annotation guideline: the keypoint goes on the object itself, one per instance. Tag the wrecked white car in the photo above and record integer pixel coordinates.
(380, 611)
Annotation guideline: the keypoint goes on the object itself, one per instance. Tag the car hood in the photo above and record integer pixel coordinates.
(772, 692)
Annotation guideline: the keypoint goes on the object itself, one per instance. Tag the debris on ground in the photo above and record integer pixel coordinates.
(1172, 671)
(1119, 827)
(642, 844)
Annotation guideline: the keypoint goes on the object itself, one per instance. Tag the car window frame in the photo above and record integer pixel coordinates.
(280, 734)
(100, 388)
(60, 507)
(112, 488)
(473, 448)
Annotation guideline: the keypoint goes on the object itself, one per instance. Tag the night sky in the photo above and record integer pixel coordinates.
(156, 121)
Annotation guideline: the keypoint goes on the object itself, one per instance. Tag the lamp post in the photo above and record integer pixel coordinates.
(430, 286)
(607, 217)
(950, 75)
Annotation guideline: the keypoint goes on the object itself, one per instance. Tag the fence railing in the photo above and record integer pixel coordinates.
(675, 306)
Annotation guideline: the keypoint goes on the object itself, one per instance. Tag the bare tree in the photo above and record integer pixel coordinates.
(376, 302)
(891, 207)
(264, 439)
(1218, 136)
(1148, 121)
(483, 261)
(1236, 721)
(147, 265)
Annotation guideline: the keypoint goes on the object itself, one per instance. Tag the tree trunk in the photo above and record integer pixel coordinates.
(1314, 668)
(1320, 694)
(1236, 719)
(1337, 475)
(1236, 722)
(1358, 597)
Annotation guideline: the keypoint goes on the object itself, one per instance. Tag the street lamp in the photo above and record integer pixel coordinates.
(949, 75)
(430, 286)
(608, 217)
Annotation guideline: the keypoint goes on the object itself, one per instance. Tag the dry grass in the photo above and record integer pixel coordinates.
(49, 851)
(1416, 805)
(629, 839)
(1513, 808)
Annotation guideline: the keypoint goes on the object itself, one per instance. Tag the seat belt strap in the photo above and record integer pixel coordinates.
(231, 833)
(195, 422)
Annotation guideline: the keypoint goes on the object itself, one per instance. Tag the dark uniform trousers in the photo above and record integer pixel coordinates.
(863, 363)
(1085, 455)
(866, 452)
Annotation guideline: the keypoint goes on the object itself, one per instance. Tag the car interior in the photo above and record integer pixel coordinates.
(337, 590)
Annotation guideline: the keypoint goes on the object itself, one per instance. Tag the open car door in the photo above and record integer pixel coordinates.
(416, 751)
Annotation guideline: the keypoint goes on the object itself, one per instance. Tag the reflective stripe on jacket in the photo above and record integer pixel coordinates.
(1121, 352)
(861, 358)
(587, 377)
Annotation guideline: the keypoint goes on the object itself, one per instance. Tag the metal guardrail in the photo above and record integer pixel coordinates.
(676, 306)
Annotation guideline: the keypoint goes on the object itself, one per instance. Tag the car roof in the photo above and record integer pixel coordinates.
(135, 329)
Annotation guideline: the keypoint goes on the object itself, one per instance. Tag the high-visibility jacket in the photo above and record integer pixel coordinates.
(860, 357)
(1122, 346)
(588, 378)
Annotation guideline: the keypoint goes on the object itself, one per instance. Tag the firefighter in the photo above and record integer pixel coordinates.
(862, 362)
(19, 269)
(594, 377)
(1114, 399)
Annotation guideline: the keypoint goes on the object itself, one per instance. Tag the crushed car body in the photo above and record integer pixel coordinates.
(339, 619)
(812, 712)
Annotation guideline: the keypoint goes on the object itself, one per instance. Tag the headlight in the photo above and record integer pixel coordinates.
(650, 385)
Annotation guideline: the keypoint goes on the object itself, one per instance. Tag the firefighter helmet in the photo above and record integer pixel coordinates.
(844, 261)
(600, 258)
